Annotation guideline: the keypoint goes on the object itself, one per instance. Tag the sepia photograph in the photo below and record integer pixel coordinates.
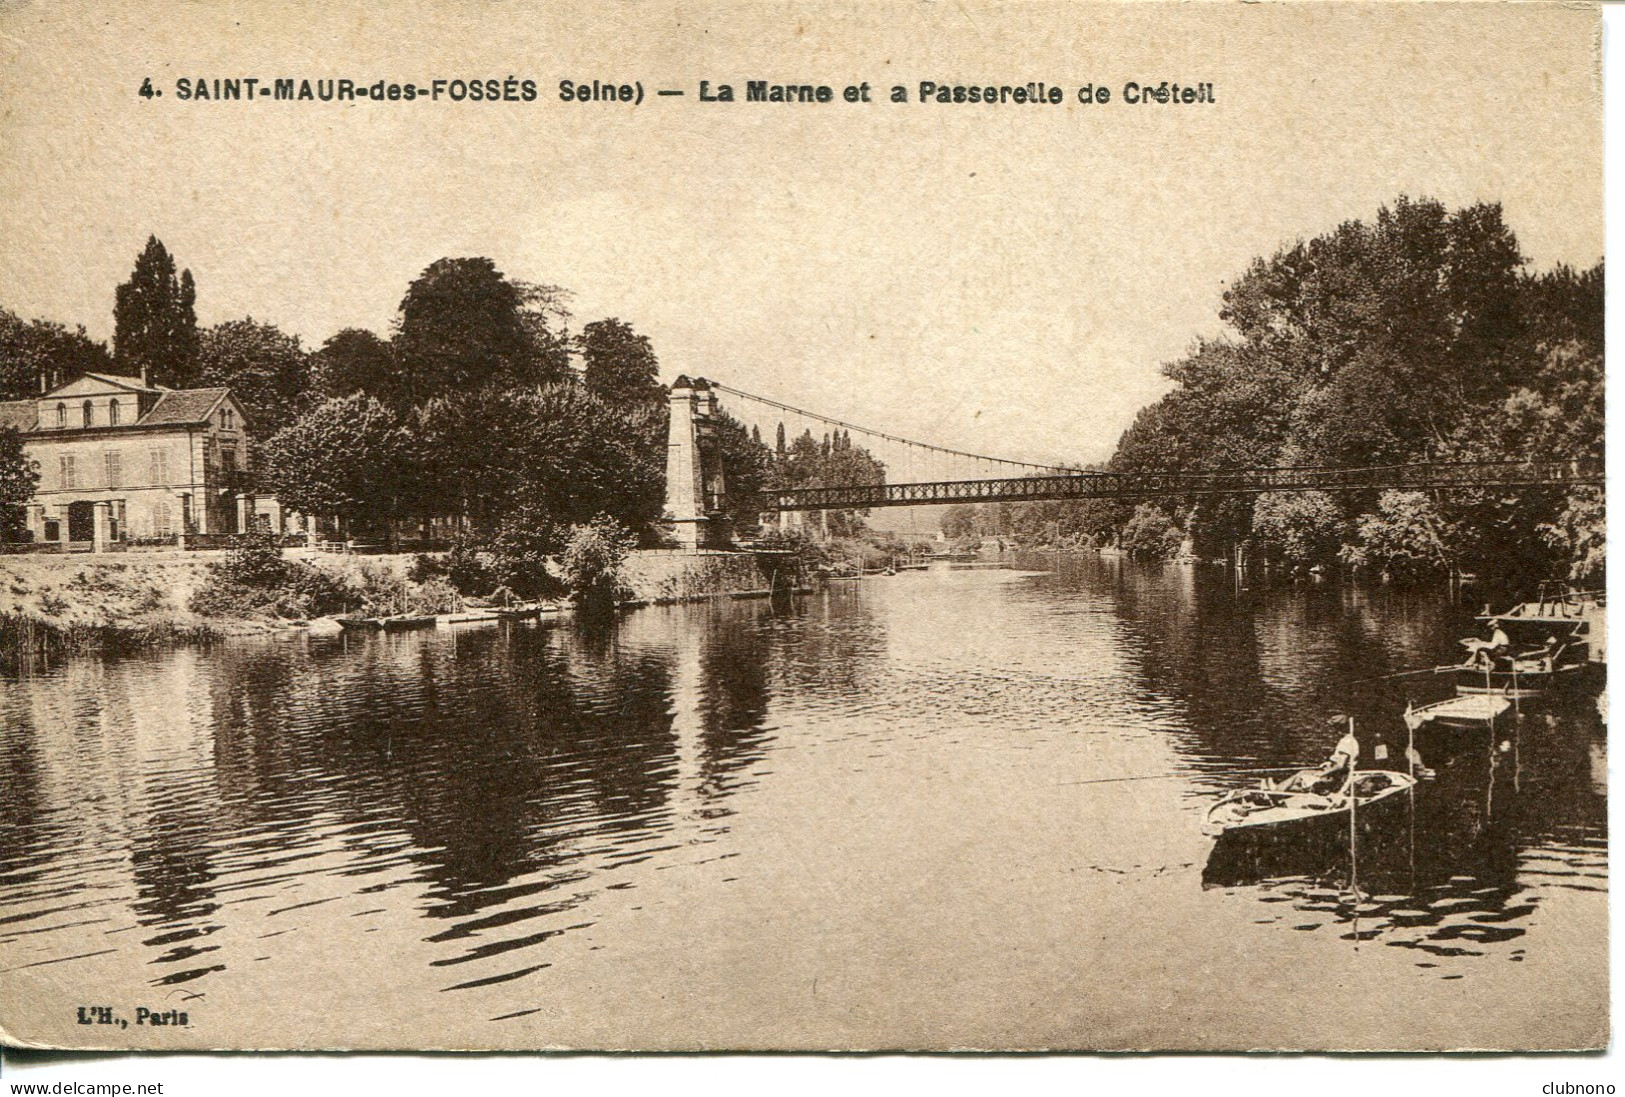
(803, 527)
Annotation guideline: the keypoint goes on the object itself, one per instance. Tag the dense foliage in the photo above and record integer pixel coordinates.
(267, 370)
(255, 579)
(471, 412)
(18, 478)
(592, 561)
(155, 320)
(1417, 336)
(351, 457)
(33, 349)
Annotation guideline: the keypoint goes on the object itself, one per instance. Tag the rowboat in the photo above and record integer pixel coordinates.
(1466, 710)
(391, 623)
(1520, 676)
(469, 616)
(401, 621)
(1282, 811)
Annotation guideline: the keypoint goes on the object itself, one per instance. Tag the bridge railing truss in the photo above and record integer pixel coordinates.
(1148, 485)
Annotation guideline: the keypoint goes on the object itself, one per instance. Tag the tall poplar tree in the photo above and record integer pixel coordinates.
(155, 322)
(620, 365)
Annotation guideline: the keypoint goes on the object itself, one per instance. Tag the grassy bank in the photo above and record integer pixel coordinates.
(52, 606)
(63, 605)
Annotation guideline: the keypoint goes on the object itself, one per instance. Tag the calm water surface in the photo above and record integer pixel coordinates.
(950, 808)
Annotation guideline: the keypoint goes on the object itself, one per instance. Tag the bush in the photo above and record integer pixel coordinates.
(257, 562)
(256, 580)
(593, 557)
(1304, 527)
(1151, 533)
(809, 554)
(425, 568)
(1405, 538)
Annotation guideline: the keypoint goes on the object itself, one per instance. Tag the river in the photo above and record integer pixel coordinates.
(954, 808)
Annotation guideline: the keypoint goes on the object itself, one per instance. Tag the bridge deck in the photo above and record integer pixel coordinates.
(1148, 485)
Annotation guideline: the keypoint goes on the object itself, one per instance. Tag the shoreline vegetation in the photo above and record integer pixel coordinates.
(1418, 335)
(55, 606)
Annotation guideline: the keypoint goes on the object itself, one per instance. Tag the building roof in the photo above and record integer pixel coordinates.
(173, 408)
(127, 382)
(179, 406)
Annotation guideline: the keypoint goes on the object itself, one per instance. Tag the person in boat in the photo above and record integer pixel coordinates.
(1482, 653)
(1331, 775)
(1545, 656)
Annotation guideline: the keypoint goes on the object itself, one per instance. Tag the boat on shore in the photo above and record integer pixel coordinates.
(392, 623)
(469, 616)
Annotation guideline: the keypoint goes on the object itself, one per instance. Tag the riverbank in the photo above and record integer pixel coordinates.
(74, 604)
(85, 603)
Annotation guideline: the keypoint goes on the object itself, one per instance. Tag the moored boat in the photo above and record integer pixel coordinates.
(1285, 810)
(1519, 676)
(400, 621)
(1466, 710)
(1577, 618)
(469, 616)
(392, 622)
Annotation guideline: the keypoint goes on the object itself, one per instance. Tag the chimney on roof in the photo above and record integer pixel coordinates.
(144, 374)
(43, 387)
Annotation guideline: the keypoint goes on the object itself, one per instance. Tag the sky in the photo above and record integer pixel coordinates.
(1005, 280)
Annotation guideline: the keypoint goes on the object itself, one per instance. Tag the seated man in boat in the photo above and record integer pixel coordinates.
(1482, 653)
(1331, 775)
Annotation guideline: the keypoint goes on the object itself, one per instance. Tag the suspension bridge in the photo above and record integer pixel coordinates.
(699, 502)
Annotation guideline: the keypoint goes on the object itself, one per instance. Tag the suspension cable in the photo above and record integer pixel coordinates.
(880, 433)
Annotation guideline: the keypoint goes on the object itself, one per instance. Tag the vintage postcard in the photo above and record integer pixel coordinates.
(802, 526)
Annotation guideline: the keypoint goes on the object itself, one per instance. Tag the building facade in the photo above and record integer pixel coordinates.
(122, 461)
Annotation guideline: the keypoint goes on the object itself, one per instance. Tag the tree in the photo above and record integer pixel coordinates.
(36, 348)
(355, 360)
(1414, 335)
(1152, 533)
(461, 328)
(18, 478)
(265, 369)
(1405, 538)
(155, 322)
(557, 455)
(1580, 533)
(959, 523)
(350, 457)
(592, 561)
(1304, 527)
(544, 313)
(813, 462)
(620, 365)
(747, 465)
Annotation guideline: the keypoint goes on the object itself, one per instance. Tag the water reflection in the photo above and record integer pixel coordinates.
(992, 776)
(492, 773)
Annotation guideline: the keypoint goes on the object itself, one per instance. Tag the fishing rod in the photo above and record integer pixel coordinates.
(1405, 674)
(1166, 777)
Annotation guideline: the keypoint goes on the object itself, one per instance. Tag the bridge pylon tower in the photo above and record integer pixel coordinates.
(694, 480)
